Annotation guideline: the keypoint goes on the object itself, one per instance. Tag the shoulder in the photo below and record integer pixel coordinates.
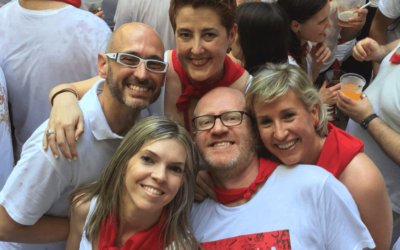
(242, 82)
(362, 176)
(80, 208)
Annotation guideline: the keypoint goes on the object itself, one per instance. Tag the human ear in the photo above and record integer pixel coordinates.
(315, 112)
(232, 35)
(294, 25)
(102, 65)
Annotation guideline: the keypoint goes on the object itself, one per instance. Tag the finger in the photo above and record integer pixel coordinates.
(45, 146)
(327, 55)
(321, 49)
(51, 140)
(345, 99)
(200, 194)
(336, 87)
(80, 128)
(70, 135)
(324, 85)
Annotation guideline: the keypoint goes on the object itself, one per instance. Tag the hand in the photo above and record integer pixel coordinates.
(356, 110)
(329, 95)
(65, 117)
(320, 53)
(204, 186)
(365, 50)
(359, 21)
(100, 14)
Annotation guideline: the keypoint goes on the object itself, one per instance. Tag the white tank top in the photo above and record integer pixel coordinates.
(85, 244)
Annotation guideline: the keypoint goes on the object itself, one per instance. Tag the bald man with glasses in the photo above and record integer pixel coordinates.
(34, 202)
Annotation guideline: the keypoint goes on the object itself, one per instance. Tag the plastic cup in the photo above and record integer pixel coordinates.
(352, 85)
(333, 76)
(346, 9)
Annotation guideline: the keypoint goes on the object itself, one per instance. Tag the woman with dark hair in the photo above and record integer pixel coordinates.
(144, 196)
(308, 20)
(263, 35)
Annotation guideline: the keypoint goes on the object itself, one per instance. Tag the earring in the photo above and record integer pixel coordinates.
(228, 50)
(316, 123)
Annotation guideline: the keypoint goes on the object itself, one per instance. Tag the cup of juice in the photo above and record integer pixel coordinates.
(352, 85)
(346, 9)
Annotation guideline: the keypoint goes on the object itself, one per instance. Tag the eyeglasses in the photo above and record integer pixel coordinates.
(228, 119)
(134, 62)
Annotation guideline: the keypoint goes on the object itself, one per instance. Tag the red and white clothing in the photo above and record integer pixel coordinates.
(298, 207)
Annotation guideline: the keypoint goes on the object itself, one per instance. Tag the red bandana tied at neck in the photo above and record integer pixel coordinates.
(232, 72)
(265, 169)
(303, 52)
(395, 57)
(75, 3)
(149, 239)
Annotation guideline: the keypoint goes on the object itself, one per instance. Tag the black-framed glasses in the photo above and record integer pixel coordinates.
(228, 119)
(134, 61)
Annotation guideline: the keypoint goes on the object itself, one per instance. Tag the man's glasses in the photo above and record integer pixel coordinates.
(228, 119)
(134, 61)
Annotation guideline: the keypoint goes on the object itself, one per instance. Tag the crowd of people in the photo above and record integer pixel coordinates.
(197, 124)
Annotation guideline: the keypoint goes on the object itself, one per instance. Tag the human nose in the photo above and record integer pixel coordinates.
(141, 72)
(219, 127)
(329, 24)
(280, 131)
(159, 174)
(197, 47)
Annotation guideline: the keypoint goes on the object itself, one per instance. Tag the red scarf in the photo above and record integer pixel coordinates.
(395, 57)
(304, 51)
(232, 72)
(75, 3)
(149, 239)
(339, 150)
(265, 169)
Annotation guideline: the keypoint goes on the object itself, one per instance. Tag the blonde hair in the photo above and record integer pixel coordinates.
(108, 187)
(274, 81)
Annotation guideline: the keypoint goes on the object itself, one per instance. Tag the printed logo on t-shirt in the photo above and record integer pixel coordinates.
(276, 240)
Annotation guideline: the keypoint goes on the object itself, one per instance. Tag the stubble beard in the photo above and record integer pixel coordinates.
(118, 92)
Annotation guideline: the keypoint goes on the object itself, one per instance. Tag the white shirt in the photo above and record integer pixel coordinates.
(150, 13)
(384, 94)
(6, 149)
(301, 206)
(43, 188)
(42, 49)
(391, 9)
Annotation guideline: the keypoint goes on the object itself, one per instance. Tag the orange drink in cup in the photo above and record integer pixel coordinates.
(352, 85)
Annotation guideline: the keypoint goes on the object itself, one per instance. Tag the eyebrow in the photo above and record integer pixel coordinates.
(282, 112)
(209, 29)
(153, 57)
(158, 157)
(322, 20)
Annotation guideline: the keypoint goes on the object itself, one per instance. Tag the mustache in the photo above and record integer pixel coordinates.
(146, 83)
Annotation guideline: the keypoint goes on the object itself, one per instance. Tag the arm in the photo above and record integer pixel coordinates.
(378, 31)
(79, 212)
(204, 187)
(46, 230)
(368, 49)
(367, 187)
(349, 33)
(66, 119)
(387, 139)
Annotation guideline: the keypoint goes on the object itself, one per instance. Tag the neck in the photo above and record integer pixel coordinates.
(315, 151)
(133, 220)
(41, 4)
(303, 42)
(119, 117)
(241, 178)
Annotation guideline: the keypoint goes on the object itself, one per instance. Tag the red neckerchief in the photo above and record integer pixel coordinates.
(75, 3)
(265, 169)
(232, 72)
(339, 150)
(395, 57)
(149, 239)
(304, 52)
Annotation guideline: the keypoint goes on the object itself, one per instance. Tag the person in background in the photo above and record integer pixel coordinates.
(35, 62)
(375, 117)
(6, 152)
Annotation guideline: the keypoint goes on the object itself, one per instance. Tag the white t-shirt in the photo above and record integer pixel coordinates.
(6, 149)
(384, 94)
(391, 9)
(43, 188)
(147, 12)
(299, 207)
(40, 50)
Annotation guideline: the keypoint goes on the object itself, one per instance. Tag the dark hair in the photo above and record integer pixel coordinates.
(300, 11)
(226, 10)
(263, 30)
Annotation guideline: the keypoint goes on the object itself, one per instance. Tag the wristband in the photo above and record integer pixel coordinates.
(364, 123)
(62, 91)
